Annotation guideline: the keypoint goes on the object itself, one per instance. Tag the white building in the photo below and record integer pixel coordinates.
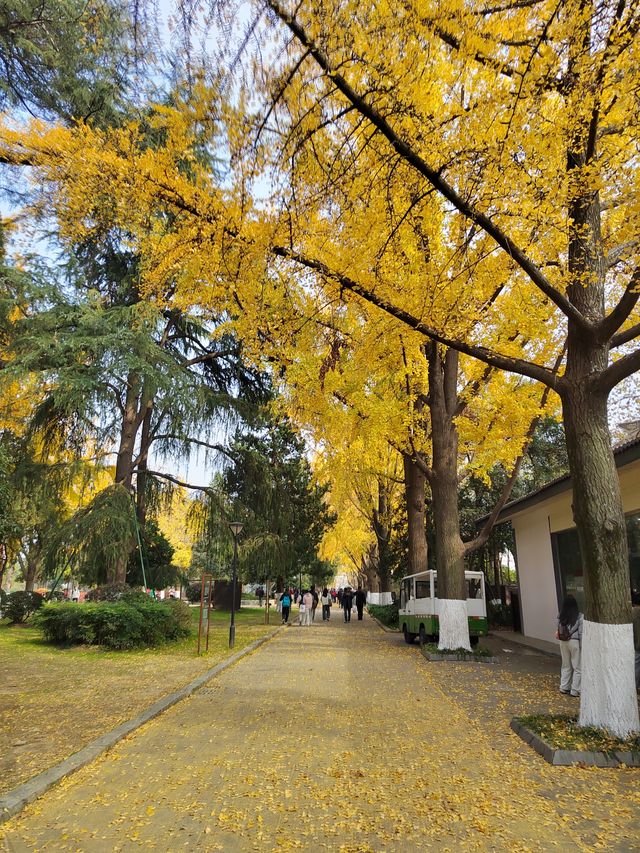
(547, 551)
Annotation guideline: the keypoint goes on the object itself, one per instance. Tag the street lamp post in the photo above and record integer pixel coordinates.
(236, 529)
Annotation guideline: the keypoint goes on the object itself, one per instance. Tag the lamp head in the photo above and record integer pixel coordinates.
(236, 527)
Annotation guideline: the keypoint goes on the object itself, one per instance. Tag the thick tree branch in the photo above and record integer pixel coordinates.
(512, 365)
(433, 176)
(612, 322)
(616, 372)
(625, 336)
(478, 541)
(218, 447)
(178, 482)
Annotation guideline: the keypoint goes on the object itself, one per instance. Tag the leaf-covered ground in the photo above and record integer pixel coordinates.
(54, 701)
(339, 737)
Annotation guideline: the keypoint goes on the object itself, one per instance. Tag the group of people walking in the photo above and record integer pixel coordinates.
(308, 601)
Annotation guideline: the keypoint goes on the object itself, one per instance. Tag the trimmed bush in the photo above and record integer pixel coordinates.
(117, 625)
(385, 613)
(193, 592)
(116, 592)
(181, 613)
(18, 606)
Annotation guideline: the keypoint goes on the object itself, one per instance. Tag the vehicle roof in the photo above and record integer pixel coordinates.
(434, 572)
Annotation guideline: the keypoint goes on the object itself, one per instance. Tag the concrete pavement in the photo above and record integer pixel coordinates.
(339, 737)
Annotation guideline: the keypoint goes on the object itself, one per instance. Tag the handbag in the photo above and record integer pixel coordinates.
(303, 607)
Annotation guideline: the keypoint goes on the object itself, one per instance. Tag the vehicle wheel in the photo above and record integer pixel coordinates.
(408, 636)
(474, 640)
(422, 635)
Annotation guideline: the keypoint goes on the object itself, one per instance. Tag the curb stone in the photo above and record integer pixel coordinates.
(569, 757)
(384, 627)
(430, 656)
(13, 801)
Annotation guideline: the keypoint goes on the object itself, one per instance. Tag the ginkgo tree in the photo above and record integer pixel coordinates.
(365, 386)
(521, 118)
(519, 121)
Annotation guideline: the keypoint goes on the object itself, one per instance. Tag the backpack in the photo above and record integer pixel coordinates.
(564, 631)
(286, 601)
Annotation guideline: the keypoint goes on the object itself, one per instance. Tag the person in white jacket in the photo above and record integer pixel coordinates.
(569, 635)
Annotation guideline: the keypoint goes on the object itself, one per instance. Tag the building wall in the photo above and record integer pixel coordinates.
(538, 598)
(533, 528)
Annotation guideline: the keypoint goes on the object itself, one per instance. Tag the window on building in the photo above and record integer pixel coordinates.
(568, 560)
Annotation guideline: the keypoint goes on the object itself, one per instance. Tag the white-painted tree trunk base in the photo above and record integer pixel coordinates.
(380, 598)
(608, 697)
(454, 625)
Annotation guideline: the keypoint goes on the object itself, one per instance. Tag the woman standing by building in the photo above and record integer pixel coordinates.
(569, 635)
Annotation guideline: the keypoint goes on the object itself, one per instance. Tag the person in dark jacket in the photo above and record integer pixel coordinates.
(361, 598)
(285, 600)
(347, 603)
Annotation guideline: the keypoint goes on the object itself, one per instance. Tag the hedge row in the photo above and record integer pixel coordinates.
(116, 625)
(385, 613)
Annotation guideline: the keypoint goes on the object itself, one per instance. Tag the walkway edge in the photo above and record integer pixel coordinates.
(16, 799)
(383, 626)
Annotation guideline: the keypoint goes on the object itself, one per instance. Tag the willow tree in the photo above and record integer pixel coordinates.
(522, 119)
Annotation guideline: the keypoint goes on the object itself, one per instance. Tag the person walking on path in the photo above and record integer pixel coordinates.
(315, 603)
(325, 600)
(347, 603)
(260, 594)
(569, 635)
(361, 598)
(305, 600)
(285, 601)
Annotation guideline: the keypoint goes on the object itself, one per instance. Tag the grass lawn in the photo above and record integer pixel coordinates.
(54, 700)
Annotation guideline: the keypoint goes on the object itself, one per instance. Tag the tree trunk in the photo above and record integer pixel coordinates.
(31, 569)
(3, 562)
(124, 466)
(454, 622)
(141, 476)
(128, 432)
(370, 570)
(381, 529)
(414, 484)
(609, 698)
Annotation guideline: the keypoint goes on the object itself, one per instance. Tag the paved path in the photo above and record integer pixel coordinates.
(338, 737)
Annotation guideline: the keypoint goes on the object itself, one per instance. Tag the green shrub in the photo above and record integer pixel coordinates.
(193, 592)
(116, 592)
(181, 613)
(385, 613)
(129, 624)
(499, 615)
(18, 606)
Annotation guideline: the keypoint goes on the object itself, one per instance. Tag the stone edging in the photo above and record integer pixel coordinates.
(16, 799)
(384, 627)
(470, 658)
(564, 757)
